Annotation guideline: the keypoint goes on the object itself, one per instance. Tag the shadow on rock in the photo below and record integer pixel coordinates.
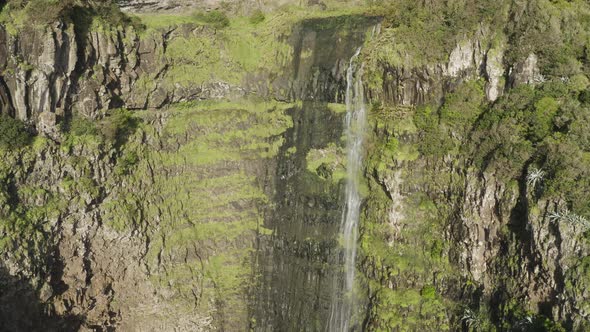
(21, 309)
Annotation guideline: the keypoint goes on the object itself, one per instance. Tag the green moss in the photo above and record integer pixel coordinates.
(414, 35)
(214, 18)
(257, 17)
(407, 152)
(212, 231)
(260, 126)
(410, 310)
(240, 48)
(126, 162)
(542, 119)
(406, 126)
(38, 14)
(328, 163)
(145, 84)
(401, 239)
(194, 184)
(337, 108)
(225, 55)
(80, 126)
(195, 61)
(463, 105)
(291, 151)
(113, 130)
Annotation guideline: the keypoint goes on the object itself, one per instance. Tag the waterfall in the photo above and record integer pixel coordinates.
(343, 301)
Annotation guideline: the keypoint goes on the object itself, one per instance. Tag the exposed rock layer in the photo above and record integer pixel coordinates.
(158, 272)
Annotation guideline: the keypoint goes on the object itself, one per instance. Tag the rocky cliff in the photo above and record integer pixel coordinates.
(456, 177)
(149, 220)
(176, 171)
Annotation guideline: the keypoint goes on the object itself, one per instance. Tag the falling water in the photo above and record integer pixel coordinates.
(343, 302)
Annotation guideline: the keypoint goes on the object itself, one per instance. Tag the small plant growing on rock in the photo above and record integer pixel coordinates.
(568, 216)
(126, 162)
(524, 324)
(214, 18)
(470, 319)
(80, 126)
(119, 125)
(257, 17)
(535, 177)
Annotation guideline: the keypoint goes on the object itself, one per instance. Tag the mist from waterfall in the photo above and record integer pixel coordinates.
(343, 300)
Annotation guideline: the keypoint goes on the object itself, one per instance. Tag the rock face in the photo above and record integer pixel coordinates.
(241, 6)
(494, 73)
(501, 237)
(215, 203)
(527, 72)
(298, 264)
(150, 6)
(38, 69)
(502, 240)
(185, 265)
(60, 71)
(471, 58)
(319, 72)
(5, 100)
(48, 71)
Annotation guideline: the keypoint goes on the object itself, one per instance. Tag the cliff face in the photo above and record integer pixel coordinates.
(480, 57)
(189, 177)
(448, 162)
(62, 71)
(53, 72)
(152, 220)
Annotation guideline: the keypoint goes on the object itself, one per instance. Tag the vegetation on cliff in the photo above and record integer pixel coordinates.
(455, 233)
(535, 126)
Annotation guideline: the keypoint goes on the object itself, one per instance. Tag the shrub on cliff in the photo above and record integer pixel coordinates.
(257, 17)
(126, 162)
(81, 126)
(214, 18)
(115, 127)
(13, 133)
(119, 125)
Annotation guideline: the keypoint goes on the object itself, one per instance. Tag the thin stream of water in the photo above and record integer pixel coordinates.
(343, 302)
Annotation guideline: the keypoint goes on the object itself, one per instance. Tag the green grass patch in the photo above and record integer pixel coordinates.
(327, 163)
